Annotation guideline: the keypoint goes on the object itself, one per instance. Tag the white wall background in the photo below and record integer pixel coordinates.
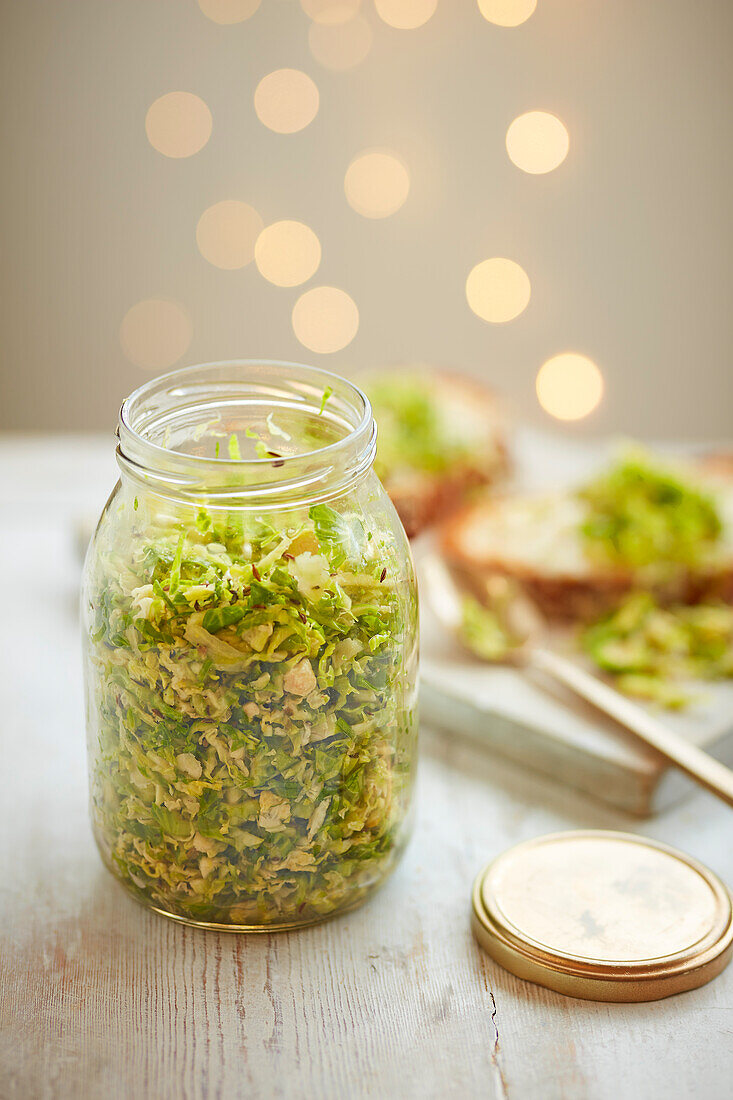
(627, 244)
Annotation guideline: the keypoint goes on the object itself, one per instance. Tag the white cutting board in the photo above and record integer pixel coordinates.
(540, 724)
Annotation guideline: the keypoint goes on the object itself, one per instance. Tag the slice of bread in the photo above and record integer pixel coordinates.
(440, 436)
(537, 540)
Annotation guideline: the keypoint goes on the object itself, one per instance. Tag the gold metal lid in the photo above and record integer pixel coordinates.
(605, 916)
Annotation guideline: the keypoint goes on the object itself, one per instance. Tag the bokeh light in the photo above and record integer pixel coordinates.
(330, 12)
(376, 184)
(569, 386)
(287, 253)
(178, 124)
(229, 11)
(155, 333)
(498, 290)
(340, 47)
(286, 100)
(507, 13)
(405, 14)
(537, 142)
(226, 234)
(325, 319)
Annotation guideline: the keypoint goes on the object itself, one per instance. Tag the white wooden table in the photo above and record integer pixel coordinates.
(98, 998)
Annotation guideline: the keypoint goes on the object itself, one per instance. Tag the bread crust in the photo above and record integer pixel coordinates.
(436, 498)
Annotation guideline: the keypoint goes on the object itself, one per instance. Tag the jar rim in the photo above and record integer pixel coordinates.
(336, 464)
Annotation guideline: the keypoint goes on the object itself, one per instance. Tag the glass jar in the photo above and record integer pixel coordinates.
(250, 623)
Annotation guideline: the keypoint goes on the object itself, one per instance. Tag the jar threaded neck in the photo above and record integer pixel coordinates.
(245, 432)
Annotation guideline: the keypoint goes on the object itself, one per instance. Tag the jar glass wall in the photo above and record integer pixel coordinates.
(250, 625)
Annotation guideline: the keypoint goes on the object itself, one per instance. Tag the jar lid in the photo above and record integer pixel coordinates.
(605, 916)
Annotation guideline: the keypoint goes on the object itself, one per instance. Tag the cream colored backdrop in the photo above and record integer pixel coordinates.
(627, 244)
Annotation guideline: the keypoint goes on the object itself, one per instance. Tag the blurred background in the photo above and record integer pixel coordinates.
(484, 185)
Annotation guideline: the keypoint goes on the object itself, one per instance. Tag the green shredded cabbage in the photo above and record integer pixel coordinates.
(643, 515)
(252, 713)
(410, 432)
(482, 631)
(652, 650)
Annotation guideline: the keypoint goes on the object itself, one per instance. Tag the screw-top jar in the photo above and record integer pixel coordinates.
(250, 628)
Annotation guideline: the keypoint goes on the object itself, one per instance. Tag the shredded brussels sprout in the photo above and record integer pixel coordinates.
(644, 515)
(652, 650)
(482, 632)
(252, 716)
(411, 432)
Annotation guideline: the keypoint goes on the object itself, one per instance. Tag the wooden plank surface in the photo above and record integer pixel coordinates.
(98, 998)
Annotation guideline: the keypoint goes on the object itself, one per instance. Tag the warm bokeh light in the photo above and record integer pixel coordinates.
(340, 47)
(178, 124)
(226, 234)
(569, 386)
(325, 319)
(330, 12)
(498, 290)
(155, 333)
(286, 100)
(405, 14)
(537, 142)
(287, 253)
(376, 184)
(507, 13)
(229, 11)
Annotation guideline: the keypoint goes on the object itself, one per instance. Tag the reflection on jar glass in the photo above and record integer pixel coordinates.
(250, 627)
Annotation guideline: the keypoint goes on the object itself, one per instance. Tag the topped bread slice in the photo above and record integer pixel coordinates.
(640, 525)
(440, 435)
